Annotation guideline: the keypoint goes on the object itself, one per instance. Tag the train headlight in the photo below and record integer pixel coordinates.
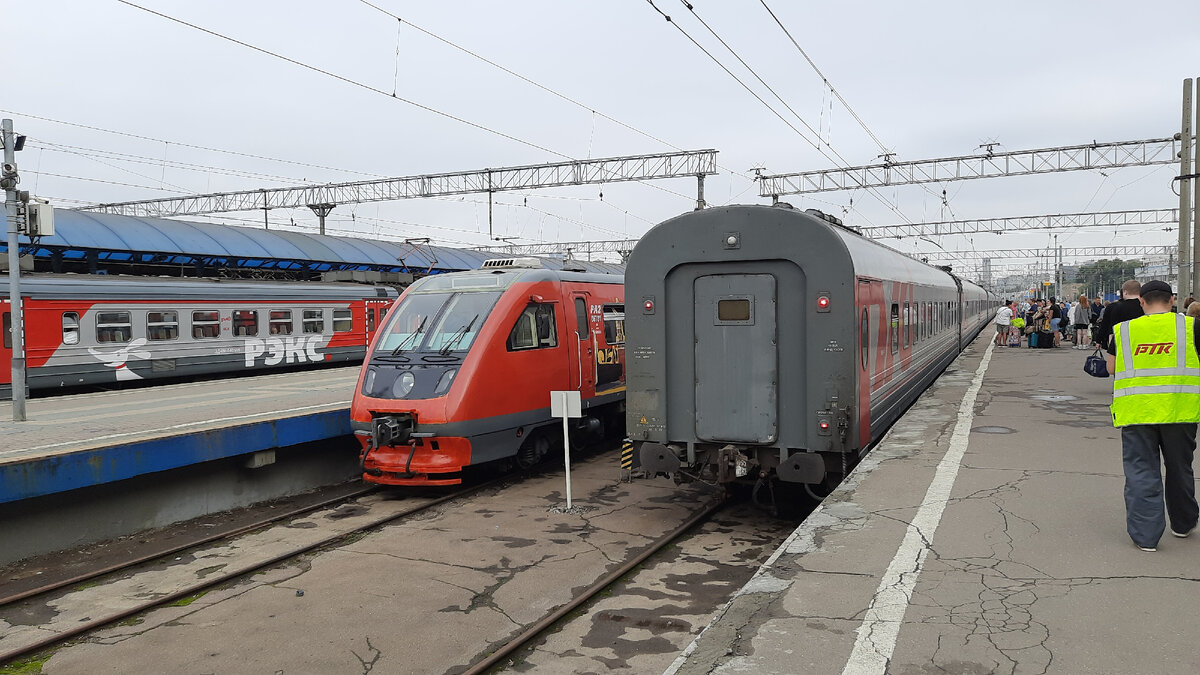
(444, 383)
(369, 382)
(404, 384)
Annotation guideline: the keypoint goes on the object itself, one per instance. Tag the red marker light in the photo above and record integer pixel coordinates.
(824, 425)
(649, 305)
(823, 302)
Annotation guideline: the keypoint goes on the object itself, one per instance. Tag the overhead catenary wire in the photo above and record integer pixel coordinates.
(347, 80)
(840, 161)
(187, 145)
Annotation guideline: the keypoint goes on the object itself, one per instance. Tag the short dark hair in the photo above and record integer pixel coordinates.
(1157, 297)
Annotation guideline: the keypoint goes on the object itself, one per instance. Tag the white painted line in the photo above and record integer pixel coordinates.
(151, 433)
(881, 625)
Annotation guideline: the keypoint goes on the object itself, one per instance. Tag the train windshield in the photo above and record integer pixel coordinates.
(436, 322)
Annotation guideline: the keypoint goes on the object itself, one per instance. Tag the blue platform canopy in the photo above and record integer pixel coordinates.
(115, 239)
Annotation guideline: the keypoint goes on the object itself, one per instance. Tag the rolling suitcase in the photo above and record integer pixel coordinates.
(1045, 340)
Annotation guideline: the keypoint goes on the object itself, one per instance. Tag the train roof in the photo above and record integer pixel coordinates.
(779, 231)
(117, 239)
(503, 277)
(108, 287)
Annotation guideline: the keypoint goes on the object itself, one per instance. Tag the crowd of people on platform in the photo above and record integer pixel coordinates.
(1154, 358)
(1082, 324)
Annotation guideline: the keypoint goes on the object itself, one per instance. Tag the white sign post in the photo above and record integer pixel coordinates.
(566, 404)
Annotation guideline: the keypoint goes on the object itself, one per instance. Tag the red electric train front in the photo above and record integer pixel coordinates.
(463, 370)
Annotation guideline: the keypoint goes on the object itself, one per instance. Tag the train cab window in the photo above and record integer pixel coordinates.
(70, 329)
(342, 321)
(281, 322)
(162, 325)
(614, 324)
(245, 322)
(535, 329)
(864, 337)
(113, 327)
(314, 321)
(907, 325)
(581, 319)
(206, 324)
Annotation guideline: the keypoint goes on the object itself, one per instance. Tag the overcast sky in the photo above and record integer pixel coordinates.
(930, 79)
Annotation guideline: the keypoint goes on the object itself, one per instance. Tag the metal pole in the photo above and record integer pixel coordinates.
(1193, 183)
(1185, 191)
(699, 192)
(14, 273)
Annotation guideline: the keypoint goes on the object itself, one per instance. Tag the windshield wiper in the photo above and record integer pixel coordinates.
(404, 343)
(458, 336)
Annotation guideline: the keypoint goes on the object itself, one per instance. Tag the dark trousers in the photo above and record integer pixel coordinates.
(1140, 448)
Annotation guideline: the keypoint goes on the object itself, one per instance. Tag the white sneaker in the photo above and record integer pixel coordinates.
(1184, 535)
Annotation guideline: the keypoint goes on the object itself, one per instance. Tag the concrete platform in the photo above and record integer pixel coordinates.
(70, 442)
(986, 534)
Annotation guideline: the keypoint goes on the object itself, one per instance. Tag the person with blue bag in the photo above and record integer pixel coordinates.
(1155, 360)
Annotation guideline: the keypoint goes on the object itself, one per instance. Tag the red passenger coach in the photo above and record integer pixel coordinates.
(96, 330)
(463, 370)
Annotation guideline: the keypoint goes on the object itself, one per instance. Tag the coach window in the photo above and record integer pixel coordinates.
(206, 324)
(895, 328)
(8, 330)
(535, 329)
(113, 327)
(314, 320)
(70, 327)
(162, 325)
(907, 325)
(342, 321)
(281, 322)
(864, 337)
(245, 322)
(614, 324)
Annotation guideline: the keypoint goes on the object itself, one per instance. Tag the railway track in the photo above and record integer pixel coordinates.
(29, 646)
(465, 576)
(531, 633)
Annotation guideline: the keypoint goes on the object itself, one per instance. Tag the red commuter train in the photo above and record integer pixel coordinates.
(462, 372)
(97, 329)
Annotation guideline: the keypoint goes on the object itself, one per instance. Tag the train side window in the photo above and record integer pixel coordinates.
(113, 327)
(535, 329)
(614, 324)
(8, 330)
(895, 328)
(864, 337)
(342, 321)
(206, 324)
(907, 325)
(162, 325)
(581, 319)
(370, 319)
(281, 322)
(314, 321)
(245, 322)
(70, 329)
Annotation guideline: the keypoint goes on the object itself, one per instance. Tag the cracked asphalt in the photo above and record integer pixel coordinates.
(430, 594)
(1029, 571)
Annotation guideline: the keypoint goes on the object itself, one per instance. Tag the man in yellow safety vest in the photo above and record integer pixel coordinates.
(1156, 404)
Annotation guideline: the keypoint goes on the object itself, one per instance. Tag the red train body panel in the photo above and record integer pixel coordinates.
(463, 370)
(94, 330)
